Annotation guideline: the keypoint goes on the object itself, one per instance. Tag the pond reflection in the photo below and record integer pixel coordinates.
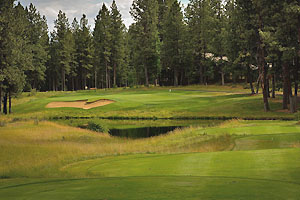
(144, 132)
(136, 128)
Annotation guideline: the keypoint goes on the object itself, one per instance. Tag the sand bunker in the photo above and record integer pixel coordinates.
(84, 104)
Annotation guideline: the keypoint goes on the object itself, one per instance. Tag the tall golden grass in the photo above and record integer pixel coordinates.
(40, 149)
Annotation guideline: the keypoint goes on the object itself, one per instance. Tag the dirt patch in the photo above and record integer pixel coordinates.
(296, 145)
(284, 111)
(84, 104)
(276, 100)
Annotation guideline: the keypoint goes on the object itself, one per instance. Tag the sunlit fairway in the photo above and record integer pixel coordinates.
(186, 102)
(234, 160)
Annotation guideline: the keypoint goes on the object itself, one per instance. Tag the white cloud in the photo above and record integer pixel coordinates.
(75, 8)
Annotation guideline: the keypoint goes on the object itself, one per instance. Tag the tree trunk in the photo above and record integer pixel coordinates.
(115, 75)
(268, 87)
(175, 77)
(109, 79)
(286, 85)
(0, 99)
(63, 79)
(106, 75)
(252, 88)
(298, 56)
(96, 86)
(273, 86)
(146, 75)
(222, 72)
(293, 104)
(250, 79)
(182, 77)
(258, 84)
(296, 76)
(201, 75)
(9, 102)
(5, 103)
(223, 77)
(263, 71)
(264, 88)
(56, 84)
(73, 83)
(53, 84)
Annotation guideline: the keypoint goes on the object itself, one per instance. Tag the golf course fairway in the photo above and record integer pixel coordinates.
(54, 153)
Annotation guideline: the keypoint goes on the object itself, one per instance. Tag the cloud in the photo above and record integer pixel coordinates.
(75, 8)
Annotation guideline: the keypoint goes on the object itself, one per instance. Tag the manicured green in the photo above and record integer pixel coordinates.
(276, 165)
(267, 174)
(149, 188)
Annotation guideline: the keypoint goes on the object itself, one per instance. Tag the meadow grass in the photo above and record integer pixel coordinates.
(46, 160)
(29, 149)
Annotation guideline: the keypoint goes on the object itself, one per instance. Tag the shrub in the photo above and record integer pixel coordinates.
(33, 92)
(2, 123)
(93, 126)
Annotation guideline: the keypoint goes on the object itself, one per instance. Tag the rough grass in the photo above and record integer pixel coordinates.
(235, 160)
(30, 150)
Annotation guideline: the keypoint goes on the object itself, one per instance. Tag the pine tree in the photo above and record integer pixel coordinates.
(218, 33)
(65, 46)
(15, 51)
(117, 38)
(285, 40)
(173, 41)
(135, 60)
(198, 20)
(260, 21)
(145, 15)
(75, 70)
(102, 45)
(84, 51)
(39, 41)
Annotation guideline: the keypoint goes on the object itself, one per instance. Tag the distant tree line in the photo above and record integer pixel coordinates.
(210, 41)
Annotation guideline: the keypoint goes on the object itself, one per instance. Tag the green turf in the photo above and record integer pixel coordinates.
(44, 160)
(148, 188)
(267, 174)
(153, 103)
(280, 165)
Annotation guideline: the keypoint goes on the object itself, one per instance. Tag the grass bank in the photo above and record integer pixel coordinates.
(234, 160)
(40, 150)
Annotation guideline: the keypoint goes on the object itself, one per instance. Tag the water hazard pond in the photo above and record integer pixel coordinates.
(136, 128)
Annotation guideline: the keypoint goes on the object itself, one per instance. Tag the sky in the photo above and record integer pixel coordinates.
(75, 8)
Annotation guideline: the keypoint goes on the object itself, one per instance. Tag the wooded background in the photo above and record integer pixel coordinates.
(208, 42)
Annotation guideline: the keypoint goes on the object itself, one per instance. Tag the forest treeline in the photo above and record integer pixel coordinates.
(207, 42)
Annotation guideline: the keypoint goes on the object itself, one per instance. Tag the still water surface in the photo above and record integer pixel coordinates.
(139, 128)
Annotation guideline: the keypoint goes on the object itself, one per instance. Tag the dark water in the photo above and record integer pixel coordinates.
(136, 128)
(144, 132)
